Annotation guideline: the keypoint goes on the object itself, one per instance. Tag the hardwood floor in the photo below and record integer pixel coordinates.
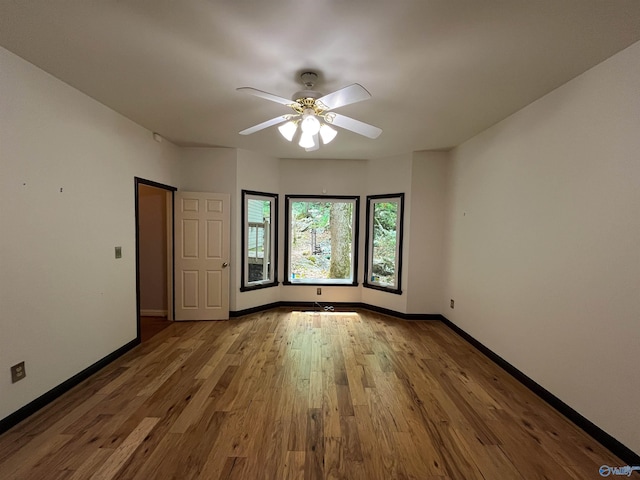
(151, 326)
(280, 395)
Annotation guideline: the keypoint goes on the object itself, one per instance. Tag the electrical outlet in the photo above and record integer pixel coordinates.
(18, 372)
(318, 291)
(451, 303)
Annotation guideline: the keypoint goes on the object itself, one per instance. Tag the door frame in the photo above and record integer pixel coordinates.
(170, 251)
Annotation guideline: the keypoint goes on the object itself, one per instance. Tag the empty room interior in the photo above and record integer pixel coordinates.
(296, 239)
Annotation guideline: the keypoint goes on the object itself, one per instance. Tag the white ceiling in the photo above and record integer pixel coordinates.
(440, 71)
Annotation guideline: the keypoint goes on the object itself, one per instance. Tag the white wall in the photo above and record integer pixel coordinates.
(321, 177)
(65, 301)
(230, 171)
(258, 173)
(421, 176)
(425, 228)
(215, 170)
(543, 242)
(388, 176)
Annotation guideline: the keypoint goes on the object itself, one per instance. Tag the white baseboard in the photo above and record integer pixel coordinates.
(153, 313)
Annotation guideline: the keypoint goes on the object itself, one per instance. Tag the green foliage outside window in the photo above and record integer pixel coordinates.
(385, 221)
(321, 240)
(384, 242)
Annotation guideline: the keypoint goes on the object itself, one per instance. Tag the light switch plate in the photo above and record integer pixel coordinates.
(118, 252)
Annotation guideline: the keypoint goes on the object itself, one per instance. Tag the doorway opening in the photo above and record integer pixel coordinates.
(154, 257)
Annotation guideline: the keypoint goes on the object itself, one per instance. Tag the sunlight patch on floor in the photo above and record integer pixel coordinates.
(322, 312)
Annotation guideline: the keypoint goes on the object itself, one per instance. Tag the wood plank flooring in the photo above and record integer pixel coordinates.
(151, 326)
(301, 395)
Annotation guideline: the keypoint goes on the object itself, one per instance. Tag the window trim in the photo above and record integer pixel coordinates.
(355, 239)
(371, 199)
(272, 197)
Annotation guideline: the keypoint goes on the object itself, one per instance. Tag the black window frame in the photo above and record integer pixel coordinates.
(371, 199)
(244, 285)
(356, 238)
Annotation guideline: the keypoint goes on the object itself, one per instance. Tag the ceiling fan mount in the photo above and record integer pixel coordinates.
(313, 112)
(309, 79)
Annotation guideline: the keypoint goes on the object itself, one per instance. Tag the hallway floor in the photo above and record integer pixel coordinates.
(151, 326)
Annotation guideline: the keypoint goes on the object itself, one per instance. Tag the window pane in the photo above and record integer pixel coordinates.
(321, 240)
(385, 246)
(384, 242)
(259, 239)
(258, 251)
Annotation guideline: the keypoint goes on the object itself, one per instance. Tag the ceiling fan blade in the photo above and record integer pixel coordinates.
(345, 96)
(268, 123)
(316, 144)
(265, 95)
(354, 125)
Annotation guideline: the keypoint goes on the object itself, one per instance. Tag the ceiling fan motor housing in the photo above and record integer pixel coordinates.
(306, 94)
(309, 80)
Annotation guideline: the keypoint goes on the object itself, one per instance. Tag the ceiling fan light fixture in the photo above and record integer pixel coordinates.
(313, 112)
(306, 140)
(288, 130)
(327, 133)
(310, 124)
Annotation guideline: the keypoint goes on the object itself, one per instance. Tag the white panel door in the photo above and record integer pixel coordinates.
(202, 237)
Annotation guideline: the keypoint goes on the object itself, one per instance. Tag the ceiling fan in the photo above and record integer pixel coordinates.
(314, 113)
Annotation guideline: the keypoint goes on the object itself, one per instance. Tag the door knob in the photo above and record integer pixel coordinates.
(225, 264)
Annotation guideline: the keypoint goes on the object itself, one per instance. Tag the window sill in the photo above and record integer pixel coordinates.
(373, 286)
(321, 283)
(248, 288)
